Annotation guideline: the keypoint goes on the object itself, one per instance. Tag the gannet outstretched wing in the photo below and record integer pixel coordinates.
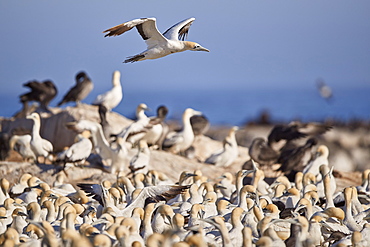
(180, 30)
(146, 27)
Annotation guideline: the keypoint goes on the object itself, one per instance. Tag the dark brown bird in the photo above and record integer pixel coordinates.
(293, 160)
(262, 153)
(42, 92)
(283, 136)
(80, 91)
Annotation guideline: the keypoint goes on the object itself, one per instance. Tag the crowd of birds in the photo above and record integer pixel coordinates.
(143, 207)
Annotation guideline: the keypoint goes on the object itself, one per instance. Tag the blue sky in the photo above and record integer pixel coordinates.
(254, 44)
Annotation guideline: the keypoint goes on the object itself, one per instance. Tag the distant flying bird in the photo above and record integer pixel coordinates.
(113, 97)
(159, 45)
(80, 91)
(42, 92)
(324, 90)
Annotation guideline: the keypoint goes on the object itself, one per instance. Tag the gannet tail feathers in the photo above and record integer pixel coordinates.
(134, 58)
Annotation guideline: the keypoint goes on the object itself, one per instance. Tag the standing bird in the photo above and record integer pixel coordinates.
(228, 154)
(177, 142)
(113, 97)
(158, 45)
(21, 144)
(80, 91)
(40, 146)
(78, 152)
(42, 92)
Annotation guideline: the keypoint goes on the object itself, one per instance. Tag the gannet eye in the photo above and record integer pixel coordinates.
(196, 46)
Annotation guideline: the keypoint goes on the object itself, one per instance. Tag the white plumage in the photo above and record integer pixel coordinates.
(77, 152)
(136, 130)
(22, 144)
(180, 141)
(228, 153)
(113, 97)
(40, 146)
(158, 45)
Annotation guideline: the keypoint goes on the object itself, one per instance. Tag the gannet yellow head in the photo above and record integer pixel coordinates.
(192, 46)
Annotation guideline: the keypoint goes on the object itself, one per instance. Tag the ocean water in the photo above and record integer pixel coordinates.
(235, 107)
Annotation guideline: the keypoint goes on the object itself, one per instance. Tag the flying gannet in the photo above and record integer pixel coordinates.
(159, 45)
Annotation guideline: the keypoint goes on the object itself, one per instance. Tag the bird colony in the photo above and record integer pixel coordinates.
(142, 206)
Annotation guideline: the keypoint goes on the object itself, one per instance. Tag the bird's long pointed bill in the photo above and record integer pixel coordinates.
(203, 49)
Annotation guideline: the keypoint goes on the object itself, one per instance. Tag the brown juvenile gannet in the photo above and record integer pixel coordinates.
(177, 142)
(39, 145)
(282, 137)
(229, 152)
(159, 45)
(294, 160)
(262, 153)
(80, 91)
(42, 92)
(113, 97)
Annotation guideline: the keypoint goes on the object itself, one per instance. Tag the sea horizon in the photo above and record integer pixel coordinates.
(236, 106)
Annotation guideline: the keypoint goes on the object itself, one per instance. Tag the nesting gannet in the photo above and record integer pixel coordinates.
(162, 219)
(226, 182)
(80, 91)
(21, 144)
(320, 158)
(42, 92)
(113, 97)
(228, 154)
(78, 152)
(4, 190)
(159, 45)
(40, 146)
(177, 142)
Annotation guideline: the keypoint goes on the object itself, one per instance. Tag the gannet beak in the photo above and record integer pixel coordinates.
(201, 48)
(20, 213)
(197, 113)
